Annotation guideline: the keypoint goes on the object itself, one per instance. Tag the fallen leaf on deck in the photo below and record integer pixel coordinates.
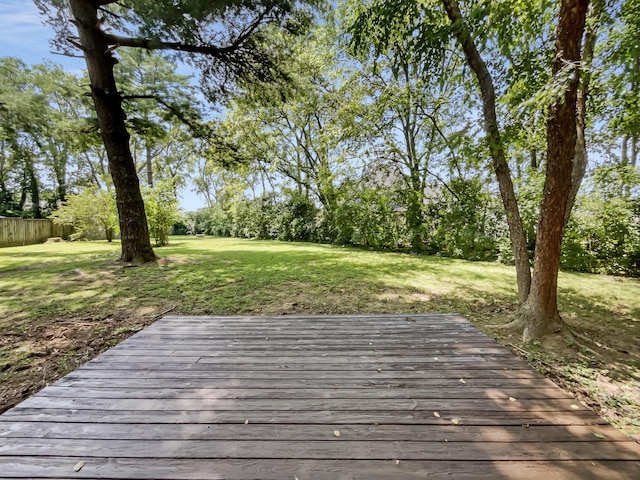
(436, 414)
(462, 380)
(78, 466)
(575, 407)
(336, 433)
(435, 358)
(511, 399)
(455, 421)
(246, 422)
(598, 435)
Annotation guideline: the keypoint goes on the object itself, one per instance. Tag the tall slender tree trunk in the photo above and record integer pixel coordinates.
(136, 245)
(34, 188)
(496, 147)
(539, 314)
(149, 164)
(580, 158)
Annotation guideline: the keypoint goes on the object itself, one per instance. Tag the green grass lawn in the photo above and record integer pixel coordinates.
(66, 302)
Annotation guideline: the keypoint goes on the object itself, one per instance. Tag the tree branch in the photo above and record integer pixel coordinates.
(212, 50)
(195, 128)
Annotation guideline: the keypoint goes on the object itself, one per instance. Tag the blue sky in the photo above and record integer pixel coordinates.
(24, 35)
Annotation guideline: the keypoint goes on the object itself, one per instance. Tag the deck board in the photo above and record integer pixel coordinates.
(418, 396)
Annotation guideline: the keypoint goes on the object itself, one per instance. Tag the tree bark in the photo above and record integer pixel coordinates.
(34, 188)
(539, 314)
(136, 245)
(149, 164)
(496, 147)
(580, 157)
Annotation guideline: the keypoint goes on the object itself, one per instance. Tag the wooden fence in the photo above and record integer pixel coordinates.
(21, 231)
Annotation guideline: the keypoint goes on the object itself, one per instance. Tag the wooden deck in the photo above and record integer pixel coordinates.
(368, 397)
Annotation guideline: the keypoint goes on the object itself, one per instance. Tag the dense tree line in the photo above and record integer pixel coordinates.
(379, 141)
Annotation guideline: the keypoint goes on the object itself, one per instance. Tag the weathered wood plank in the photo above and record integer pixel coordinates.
(319, 330)
(503, 404)
(114, 391)
(328, 417)
(332, 449)
(305, 348)
(432, 433)
(330, 359)
(266, 352)
(449, 318)
(437, 372)
(425, 364)
(432, 385)
(230, 469)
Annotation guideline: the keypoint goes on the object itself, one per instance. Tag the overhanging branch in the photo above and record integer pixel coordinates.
(195, 128)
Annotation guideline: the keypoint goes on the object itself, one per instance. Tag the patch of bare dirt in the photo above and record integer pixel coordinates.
(33, 357)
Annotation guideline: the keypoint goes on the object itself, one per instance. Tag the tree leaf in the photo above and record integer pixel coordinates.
(78, 466)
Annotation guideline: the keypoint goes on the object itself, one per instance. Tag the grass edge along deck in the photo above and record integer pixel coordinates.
(309, 397)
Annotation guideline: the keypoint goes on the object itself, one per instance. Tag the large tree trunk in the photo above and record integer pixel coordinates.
(496, 147)
(539, 314)
(136, 245)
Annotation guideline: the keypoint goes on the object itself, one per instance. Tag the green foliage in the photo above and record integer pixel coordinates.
(603, 235)
(91, 212)
(529, 194)
(297, 219)
(369, 217)
(161, 207)
(467, 222)
(293, 219)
